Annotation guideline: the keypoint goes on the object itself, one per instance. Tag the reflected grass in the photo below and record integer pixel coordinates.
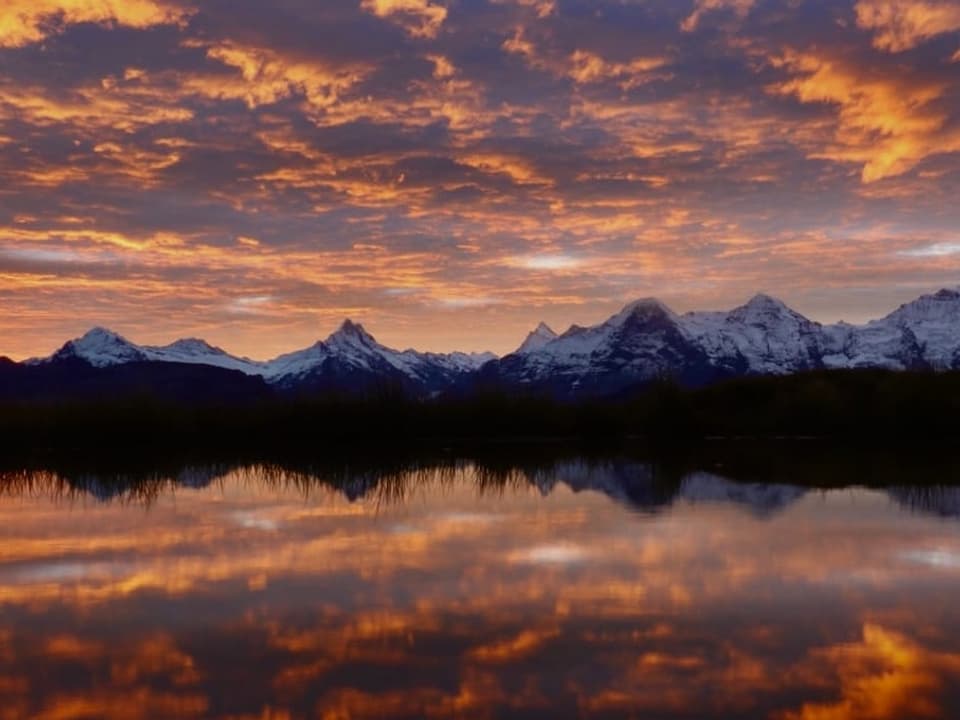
(645, 479)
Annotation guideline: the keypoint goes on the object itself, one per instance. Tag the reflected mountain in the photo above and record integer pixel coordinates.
(762, 499)
(644, 487)
(936, 500)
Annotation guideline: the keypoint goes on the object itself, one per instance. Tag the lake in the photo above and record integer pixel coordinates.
(576, 588)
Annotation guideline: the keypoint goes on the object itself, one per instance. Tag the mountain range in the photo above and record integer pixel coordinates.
(646, 340)
(637, 485)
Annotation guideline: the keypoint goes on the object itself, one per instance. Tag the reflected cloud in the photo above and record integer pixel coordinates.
(887, 675)
(939, 558)
(551, 555)
(527, 591)
(255, 521)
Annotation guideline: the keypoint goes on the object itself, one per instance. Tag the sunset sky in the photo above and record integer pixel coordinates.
(451, 172)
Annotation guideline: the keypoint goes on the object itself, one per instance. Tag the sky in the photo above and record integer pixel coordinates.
(451, 172)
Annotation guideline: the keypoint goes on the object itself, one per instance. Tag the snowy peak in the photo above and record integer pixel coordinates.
(645, 308)
(353, 355)
(942, 306)
(762, 336)
(101, 334)
(101, 348)
(194, 351)
(934, 320)
(640, 343)
(194, 346)
(353, 333)
(763, 309)
(537, 338)
(762, 300)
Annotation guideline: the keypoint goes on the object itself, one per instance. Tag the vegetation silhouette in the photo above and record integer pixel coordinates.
(868, 406)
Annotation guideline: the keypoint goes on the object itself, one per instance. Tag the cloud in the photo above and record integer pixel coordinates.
(542, 8)
(501, 161)
(267, 76)
(887, 123)
(251, 305)
(421, 18)
(458, 302)
(30, 21)
(900, 25)
(556, 261)
(587, 67)
(936, 250)
(884, 676)
(702, 7)
(48, 255)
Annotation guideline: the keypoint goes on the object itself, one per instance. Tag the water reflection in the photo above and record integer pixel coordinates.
(569, 589)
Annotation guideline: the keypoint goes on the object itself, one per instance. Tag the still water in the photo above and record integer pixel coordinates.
(580, 590)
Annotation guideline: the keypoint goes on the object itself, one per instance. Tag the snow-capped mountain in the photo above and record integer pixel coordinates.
(642, 342)
(350, 358)
(194, 351)
(762, 337)
(934, 321)
(99, 347)
(351, 355)
(104, 348)
(878, 344)
(538, 337)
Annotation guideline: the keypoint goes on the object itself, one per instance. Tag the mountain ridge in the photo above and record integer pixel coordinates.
(644, 341)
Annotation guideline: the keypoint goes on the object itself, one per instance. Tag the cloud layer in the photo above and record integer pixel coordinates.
(450, 173)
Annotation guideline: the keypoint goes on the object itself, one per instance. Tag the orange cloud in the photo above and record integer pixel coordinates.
(29, 21)
(421, 18)
(886, 123)
(899, 25)
(519, 44)
(542, 8)
(104, 106)
(883, 677)
(267, 76)
(740, 7)
(510, 650)
(587, 67)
